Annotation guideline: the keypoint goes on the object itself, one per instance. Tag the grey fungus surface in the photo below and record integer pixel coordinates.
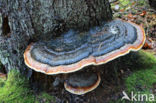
(81, 83)
(74, 50)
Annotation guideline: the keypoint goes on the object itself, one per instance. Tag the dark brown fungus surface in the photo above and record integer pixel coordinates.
(74, 50)
(81, 83)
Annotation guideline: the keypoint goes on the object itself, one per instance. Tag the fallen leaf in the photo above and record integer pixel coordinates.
(143, 13)
(130, 16)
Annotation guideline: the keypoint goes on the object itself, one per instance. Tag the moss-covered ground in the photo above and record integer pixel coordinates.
(143, 77)
(16, 90)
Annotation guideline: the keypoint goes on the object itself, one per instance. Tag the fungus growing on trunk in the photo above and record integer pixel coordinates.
(81, 83)
(74, 50)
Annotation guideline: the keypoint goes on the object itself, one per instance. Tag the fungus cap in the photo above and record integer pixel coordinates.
(74, 50)
(81, 83)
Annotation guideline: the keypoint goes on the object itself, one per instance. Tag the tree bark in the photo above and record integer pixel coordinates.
(25, 21)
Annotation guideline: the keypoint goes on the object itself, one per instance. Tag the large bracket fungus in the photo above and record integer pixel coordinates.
(74, 50)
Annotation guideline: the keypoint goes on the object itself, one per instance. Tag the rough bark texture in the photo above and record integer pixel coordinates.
(25, 21)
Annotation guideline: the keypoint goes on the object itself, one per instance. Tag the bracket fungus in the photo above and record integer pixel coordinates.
(74, 50)
(81, 83)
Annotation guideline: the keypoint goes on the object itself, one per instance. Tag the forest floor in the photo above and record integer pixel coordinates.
(134, 72)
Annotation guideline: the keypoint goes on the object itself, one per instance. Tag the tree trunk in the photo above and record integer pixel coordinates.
(25, 21)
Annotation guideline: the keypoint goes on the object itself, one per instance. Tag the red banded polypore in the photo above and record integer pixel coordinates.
(74, 50)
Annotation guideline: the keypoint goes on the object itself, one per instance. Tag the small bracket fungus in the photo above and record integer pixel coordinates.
(74, 50)
(81, 83)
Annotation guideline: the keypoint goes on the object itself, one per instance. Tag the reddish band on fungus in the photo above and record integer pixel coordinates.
(90, 60)
(82, 90)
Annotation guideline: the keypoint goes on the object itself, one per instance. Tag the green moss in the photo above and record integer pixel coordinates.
(146, 59)
(141, 82)
(16, 90)
(143, 65)
(143, 78)
(1, 82)
(138, 60)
